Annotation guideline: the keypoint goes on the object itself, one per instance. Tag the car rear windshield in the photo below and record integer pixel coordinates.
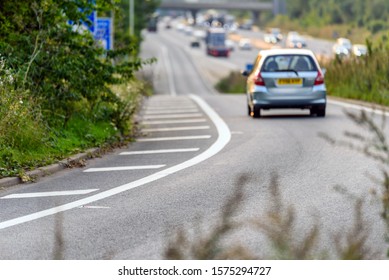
(279, 63)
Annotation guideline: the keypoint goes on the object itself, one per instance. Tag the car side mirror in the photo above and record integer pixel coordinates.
(247, 71)
(249, 67)
(244, 73)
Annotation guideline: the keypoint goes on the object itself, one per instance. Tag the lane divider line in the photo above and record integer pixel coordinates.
(224, 137)
(174, 121)
(152, 112)
(48, 194)
(124, 168)
(165, 151)
(179, 138)
(173, 116)
(183, 128)
(169, 70)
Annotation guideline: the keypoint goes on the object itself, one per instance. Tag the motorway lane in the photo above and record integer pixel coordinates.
(288, 142)
(26, 236)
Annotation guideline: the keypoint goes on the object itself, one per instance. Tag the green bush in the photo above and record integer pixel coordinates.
(233, 83)
(363, 78)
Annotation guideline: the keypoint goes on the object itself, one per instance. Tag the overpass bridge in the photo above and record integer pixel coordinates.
(254, 6)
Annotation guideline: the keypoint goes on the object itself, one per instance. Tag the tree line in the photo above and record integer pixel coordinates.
(372, 14)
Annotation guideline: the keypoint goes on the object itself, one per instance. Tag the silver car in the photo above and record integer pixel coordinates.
(286, 78)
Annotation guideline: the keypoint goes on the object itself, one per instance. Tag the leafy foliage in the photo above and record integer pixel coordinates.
(54, 75)
(360, 12)
(343, 77)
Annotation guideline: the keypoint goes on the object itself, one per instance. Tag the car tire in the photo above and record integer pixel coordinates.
(321, 112)
(318, 111)
(256, 113)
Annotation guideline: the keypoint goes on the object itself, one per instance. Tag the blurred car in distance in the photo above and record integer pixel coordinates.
(340, 51)
(199, 34)
(270, 38)
(295, 40)
(246, 25)
(342, 48)
(195, 43)
(245, 44)
(188, 30)
(346, 43)
(285, 78)
(276, 32)
(230, 44)
(359, 50)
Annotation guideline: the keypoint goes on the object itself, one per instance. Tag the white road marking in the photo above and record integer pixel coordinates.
(173, 116)
(47, 194)
(174, 121)
(94, 207)
(169, 70)
(157, 139)
(217, 146)
(170, 107)
(124, 168)
(183, 128)
(148, 152)
(154, 112)
(359, 107)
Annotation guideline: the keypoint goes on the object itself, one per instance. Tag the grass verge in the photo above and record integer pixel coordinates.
(27, 142)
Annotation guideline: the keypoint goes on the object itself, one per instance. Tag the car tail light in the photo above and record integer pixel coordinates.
(319, 79)
(259, 81)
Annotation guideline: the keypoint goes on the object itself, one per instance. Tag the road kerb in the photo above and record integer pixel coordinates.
(50, 169)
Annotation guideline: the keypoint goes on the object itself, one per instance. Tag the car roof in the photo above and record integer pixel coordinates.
(286, 52)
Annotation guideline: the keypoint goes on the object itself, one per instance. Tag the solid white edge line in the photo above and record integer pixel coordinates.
(167, 151)
(123, 168)
(47, 194)
(358, 107)
(222, 140)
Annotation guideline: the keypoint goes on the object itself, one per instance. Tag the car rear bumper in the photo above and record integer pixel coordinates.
(303, 101)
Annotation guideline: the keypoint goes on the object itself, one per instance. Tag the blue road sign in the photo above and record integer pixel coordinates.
(91, 26)
(93, 19)
(104, 33)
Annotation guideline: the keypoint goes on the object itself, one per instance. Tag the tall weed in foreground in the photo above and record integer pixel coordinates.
(20, 122)
(277, 223)
(373, 145)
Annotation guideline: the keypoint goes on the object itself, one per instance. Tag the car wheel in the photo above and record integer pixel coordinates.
(321, 112)
(256, 113)
(318, 111)
(249, 110)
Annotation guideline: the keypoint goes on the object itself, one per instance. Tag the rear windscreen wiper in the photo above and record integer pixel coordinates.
(287, 70)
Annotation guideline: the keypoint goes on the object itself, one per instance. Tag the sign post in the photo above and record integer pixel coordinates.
(104, 33)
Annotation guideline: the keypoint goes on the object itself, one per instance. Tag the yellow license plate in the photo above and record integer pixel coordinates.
(290, 81)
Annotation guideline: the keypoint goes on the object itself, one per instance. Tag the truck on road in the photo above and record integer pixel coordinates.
(216, 42)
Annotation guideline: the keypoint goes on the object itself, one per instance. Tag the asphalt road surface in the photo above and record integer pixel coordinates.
(196, 144)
